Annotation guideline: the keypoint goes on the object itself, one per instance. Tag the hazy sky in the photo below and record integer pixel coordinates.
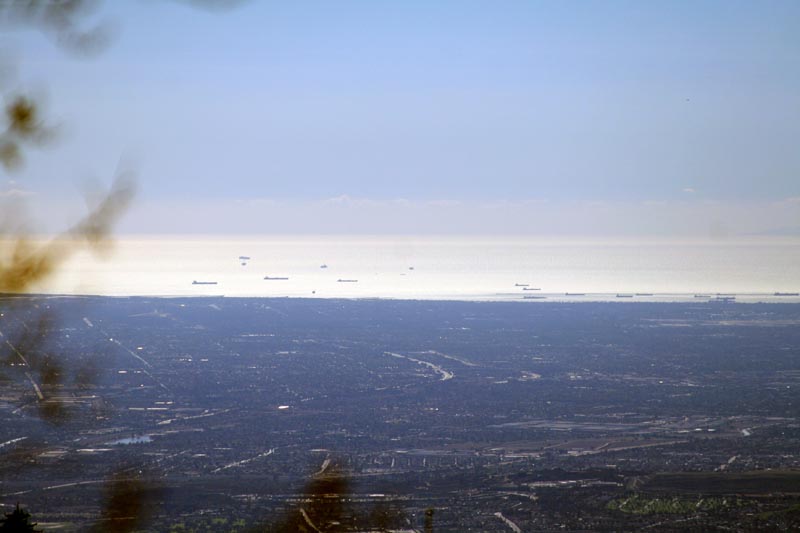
(420, 116)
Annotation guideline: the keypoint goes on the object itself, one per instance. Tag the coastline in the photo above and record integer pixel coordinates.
(589, 298)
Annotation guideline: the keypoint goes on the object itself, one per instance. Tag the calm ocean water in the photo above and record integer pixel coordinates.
(462, 268)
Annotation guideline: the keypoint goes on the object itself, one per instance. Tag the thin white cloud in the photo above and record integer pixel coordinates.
(346, 200)
(352, 201)
(16, 193)
(363, 215)
(338, 200)
(790, 201)
(444, 203)
(689, 190)
(261, 202)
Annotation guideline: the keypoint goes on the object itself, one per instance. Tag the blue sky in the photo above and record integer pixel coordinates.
(569, 109)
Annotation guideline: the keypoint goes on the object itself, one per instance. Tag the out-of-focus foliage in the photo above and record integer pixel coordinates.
(24, 262)
(62, 20)
(326, 508)
(131, 500)
(23, 125)
(27, 262)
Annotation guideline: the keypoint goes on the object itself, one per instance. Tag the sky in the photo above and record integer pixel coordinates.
(455, 116)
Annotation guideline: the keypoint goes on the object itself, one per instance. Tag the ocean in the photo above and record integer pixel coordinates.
(442, 268)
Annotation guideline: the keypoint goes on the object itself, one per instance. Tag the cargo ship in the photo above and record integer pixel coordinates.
(275, 278)
(340, 280)
(195, 282)
(723, 299)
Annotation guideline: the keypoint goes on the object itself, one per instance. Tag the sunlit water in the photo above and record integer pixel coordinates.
(461, 268)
